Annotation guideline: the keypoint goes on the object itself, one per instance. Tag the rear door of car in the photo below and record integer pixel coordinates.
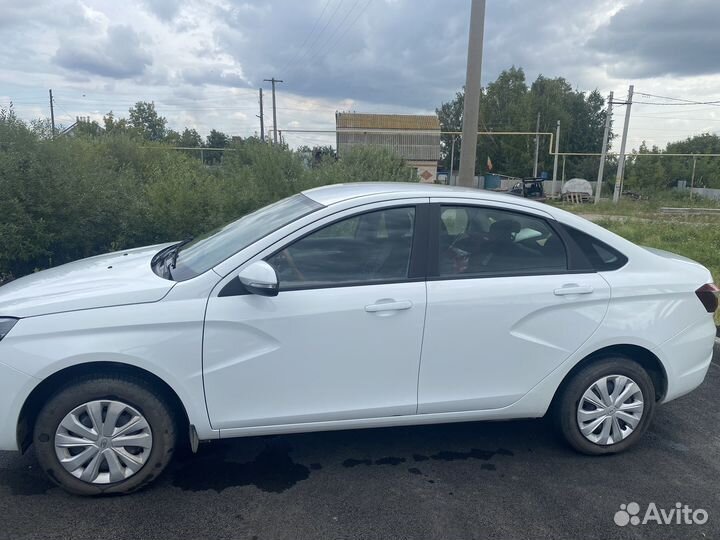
(509, 299)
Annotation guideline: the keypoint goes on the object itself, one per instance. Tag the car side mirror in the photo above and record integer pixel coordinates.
(260, 278)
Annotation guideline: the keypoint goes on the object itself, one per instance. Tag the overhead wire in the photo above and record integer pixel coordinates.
(307, 37)
(307, 51)
(687, 101)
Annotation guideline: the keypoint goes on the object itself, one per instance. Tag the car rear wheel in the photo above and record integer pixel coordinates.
(606, 407)
(104, 434)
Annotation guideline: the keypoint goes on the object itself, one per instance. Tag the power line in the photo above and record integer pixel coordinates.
(677, 118)
(688, 101)
(310, 47)
(682, 111)
(672, 130)
(714, 103)
(134, 96)
(330, 46)
(64, 110)
(324, 47)
(307, 37)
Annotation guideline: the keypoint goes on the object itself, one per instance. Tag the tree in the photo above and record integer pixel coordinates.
(450, 116)
(650, 173)
(147, 122)
(172, 137)
(645, 173)
(508, 104)
(317, 154)
(190, 138)
(216, 139)
(505, 107)
(87, 128)
(113, 126)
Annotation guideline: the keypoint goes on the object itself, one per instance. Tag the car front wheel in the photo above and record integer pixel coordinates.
(104, 434)
(606, 407)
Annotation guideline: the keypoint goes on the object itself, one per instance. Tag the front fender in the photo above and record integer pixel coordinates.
(163, 338)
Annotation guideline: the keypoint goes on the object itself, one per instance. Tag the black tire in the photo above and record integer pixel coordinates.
(567, 404)
(123, 388)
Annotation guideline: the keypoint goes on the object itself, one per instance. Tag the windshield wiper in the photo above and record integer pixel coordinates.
(173, 251)
(167, 258)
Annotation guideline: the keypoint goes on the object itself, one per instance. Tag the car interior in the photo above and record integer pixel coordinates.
(369, 247)
(488, 241)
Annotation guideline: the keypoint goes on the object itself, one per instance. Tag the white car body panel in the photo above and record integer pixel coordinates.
(114, 279)
(250, 340)
(488, 341)
(252, 345)
(163, 338)
(352, 368)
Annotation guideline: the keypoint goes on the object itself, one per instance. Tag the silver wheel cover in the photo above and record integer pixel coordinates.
(104, 441)
(610, 410)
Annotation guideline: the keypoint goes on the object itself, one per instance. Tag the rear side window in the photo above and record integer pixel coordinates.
(481, 241)
(601, 256)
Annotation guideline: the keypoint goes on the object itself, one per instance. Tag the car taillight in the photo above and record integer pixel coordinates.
(707, 294)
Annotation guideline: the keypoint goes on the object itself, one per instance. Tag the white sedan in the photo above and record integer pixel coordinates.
(347, 306)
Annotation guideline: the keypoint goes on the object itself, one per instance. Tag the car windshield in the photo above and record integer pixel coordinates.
(212, 248)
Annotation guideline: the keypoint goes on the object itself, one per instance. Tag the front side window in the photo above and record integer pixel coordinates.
(211, 249)
(364, 249)
(488, 241)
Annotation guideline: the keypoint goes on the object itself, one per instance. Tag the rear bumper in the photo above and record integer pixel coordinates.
(15, 386)
(687, 357)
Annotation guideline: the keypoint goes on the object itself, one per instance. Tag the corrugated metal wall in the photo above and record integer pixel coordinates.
(418, 146)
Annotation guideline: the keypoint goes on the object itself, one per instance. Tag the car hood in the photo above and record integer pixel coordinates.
(123, 277)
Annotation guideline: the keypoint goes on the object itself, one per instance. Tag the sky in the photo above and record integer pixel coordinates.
(202, 61)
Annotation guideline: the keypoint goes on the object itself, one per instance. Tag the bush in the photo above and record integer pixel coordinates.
(74, 197)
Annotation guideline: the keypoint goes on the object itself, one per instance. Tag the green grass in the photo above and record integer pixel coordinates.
(648, 206)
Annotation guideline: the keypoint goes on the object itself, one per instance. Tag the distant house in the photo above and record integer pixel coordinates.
(416, 138)
(82, 123)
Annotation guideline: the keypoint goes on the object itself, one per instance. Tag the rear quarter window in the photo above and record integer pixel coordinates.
(601, 256)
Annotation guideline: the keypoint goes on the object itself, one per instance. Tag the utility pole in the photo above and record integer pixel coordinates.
(603, 152)
(262, 118)
(471, 107)
(452, 160)
(555, 163)
(275, 129)
(692, 178)
(621, 157)
(52, 114)
(537, 145)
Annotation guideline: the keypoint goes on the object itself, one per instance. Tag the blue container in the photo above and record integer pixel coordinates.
(492, 181)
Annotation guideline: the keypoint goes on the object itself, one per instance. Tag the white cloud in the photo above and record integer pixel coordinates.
(202, 61)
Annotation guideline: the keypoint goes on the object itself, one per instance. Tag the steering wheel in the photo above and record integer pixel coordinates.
(291, 264)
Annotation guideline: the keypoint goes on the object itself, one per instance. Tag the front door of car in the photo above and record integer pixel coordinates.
(342, 338)
(505, 306)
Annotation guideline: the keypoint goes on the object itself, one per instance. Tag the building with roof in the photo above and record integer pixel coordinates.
(416, 138)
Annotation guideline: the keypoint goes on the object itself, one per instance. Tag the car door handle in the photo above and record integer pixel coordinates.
(388, 306)
(573, 288)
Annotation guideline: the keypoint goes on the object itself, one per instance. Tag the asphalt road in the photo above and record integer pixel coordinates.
(482, 480)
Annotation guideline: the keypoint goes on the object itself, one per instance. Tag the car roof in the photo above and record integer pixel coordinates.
(335, 193)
